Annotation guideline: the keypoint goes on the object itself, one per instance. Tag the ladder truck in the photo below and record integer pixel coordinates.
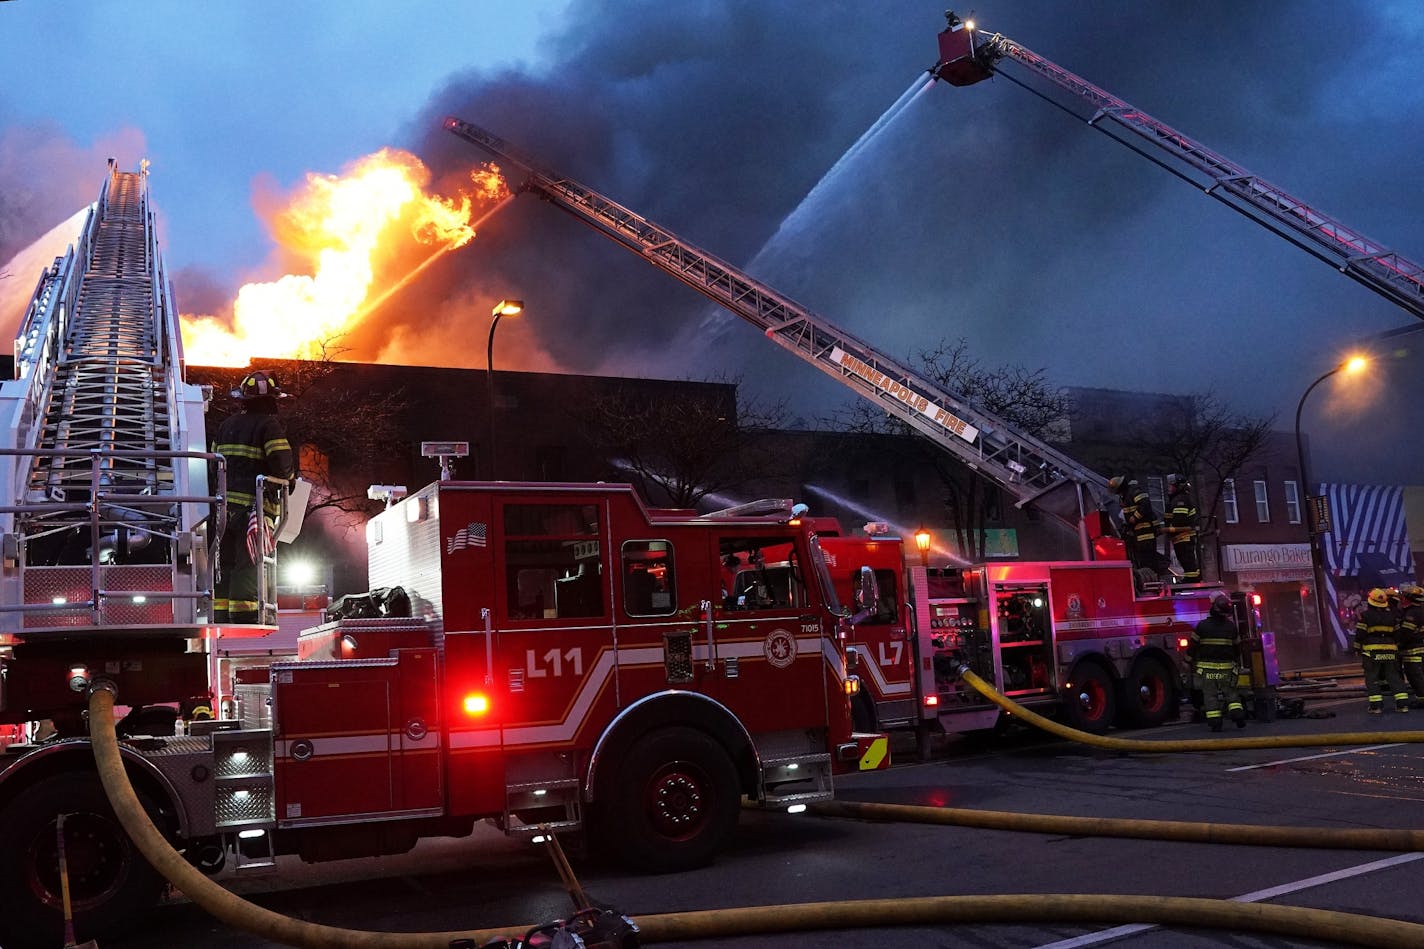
(569, 659)
(968, 55)
(1102, 651)
(109, 521)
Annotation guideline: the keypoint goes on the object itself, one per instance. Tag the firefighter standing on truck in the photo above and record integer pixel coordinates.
(1213, 652)
(254, 443)
(1379, 652)
(1182, 526)
(1410, 637)
(1141, 523)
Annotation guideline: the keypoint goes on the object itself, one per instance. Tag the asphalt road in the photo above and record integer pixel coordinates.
(490, 881)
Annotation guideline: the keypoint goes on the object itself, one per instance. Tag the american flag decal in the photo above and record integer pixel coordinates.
(471, 535)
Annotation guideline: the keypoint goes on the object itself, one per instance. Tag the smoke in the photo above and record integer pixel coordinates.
(45, 179)
(978, 212)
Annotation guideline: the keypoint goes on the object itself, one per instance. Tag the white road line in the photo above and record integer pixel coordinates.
(1328, 754)
(1107, 935)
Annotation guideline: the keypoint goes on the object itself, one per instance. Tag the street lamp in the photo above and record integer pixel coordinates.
(1317, 561)
(922, 543)
(502, 308)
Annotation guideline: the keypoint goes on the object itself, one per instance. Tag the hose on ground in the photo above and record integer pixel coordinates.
(1317, 925)
(1246, 835)
(217, 900)
(1346, 928)
(1180, 744)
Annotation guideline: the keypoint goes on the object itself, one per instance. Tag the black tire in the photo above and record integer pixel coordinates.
(675, 801)
(1089, 699)
(111, 886)
(1149, 694)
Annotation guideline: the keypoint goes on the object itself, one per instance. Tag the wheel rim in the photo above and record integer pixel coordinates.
(1093, 697)
(677, 801)
(96, 855)
(1152, 693)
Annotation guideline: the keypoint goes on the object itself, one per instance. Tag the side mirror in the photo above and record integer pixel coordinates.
(867, 590)
(852, 659)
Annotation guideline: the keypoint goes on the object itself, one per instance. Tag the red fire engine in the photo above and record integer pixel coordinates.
(570, 659)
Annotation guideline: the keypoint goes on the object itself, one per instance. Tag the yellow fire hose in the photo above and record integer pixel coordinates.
(1181, 744)
(1345, 928)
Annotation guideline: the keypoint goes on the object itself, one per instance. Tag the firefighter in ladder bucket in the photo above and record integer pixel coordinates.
(1182, 527)
(1213, 651)
(254, 443)
(1141, 525)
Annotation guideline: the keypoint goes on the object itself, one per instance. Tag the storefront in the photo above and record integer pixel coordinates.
(1281, 574)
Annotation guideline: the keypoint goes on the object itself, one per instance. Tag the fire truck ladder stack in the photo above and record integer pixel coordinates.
(1030, 470)
(967, 57)
(104, 492)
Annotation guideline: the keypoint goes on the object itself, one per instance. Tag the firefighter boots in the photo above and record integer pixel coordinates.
(1216, 724)
(1376, 709)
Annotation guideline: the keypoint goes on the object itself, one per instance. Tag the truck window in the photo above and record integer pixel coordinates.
(761, 573)
(648, 587)
(887, 610)
(553, 561)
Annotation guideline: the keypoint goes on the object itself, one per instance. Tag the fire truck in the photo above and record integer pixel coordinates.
(1095, 641)
(569, 660)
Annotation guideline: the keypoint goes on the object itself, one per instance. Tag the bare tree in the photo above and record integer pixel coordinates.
(1022, 397)
(680, 448)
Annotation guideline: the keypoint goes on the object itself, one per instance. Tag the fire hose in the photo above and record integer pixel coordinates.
(1181, 744)
(1345, 928)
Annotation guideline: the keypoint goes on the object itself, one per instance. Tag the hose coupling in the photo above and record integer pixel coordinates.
(103, 685)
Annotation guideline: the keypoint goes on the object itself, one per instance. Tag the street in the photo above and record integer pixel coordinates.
(491, 881)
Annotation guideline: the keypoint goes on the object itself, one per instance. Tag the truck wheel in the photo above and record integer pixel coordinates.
(111, 886)
(1089, 703)
(1149, 694)
(676, 801)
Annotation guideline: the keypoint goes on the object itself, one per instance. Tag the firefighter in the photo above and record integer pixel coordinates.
(1213, 652)
(1410, 638)
(1182, 526)
(253, 442)
(1141, 524)
(1379, 652)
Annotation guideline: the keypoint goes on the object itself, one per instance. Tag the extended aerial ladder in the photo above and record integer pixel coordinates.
(968, 55)
(1030, 470)
(107, 520)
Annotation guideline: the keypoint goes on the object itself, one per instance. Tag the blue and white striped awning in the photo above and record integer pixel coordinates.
(1367, 545)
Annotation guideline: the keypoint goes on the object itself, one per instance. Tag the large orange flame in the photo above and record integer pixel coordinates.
(374, 223)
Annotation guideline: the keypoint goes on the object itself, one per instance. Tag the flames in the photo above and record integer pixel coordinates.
(359, 237)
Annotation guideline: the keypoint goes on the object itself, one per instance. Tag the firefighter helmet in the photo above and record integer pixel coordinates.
(258, 385)
(1176, 481)
(1117, 484)
(1412, 592)
(1378, 597)
(1221, 604)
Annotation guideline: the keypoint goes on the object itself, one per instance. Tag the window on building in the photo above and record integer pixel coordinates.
(648, 587)
(1293, 502)
(905, 493)
(553, 560)
(1228, 501)
(1263, 502)
(549, 460)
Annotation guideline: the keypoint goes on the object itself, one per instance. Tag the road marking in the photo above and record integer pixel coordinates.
(1107, 935)
(1328, 754)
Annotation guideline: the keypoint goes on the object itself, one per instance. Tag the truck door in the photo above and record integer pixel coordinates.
(1023, 632)
(759, 645)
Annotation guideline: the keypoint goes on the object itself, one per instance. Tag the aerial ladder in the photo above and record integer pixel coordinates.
(1031, 471)
(108, 522)
(968, 56)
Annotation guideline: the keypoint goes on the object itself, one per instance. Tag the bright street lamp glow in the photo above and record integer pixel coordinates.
(508, 307)
(1356, 363)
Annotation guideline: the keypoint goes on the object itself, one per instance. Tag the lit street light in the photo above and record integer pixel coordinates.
(1317, 562)
(922, 542)
(502, 308)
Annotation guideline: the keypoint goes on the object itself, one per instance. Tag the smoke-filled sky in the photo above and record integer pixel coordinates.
(981, 212)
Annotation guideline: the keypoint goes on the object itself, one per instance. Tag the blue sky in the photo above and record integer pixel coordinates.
(979, 213)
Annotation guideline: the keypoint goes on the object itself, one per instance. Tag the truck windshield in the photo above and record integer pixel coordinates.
(823, 576)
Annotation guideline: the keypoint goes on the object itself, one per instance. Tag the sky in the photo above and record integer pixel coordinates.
(979, 213)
